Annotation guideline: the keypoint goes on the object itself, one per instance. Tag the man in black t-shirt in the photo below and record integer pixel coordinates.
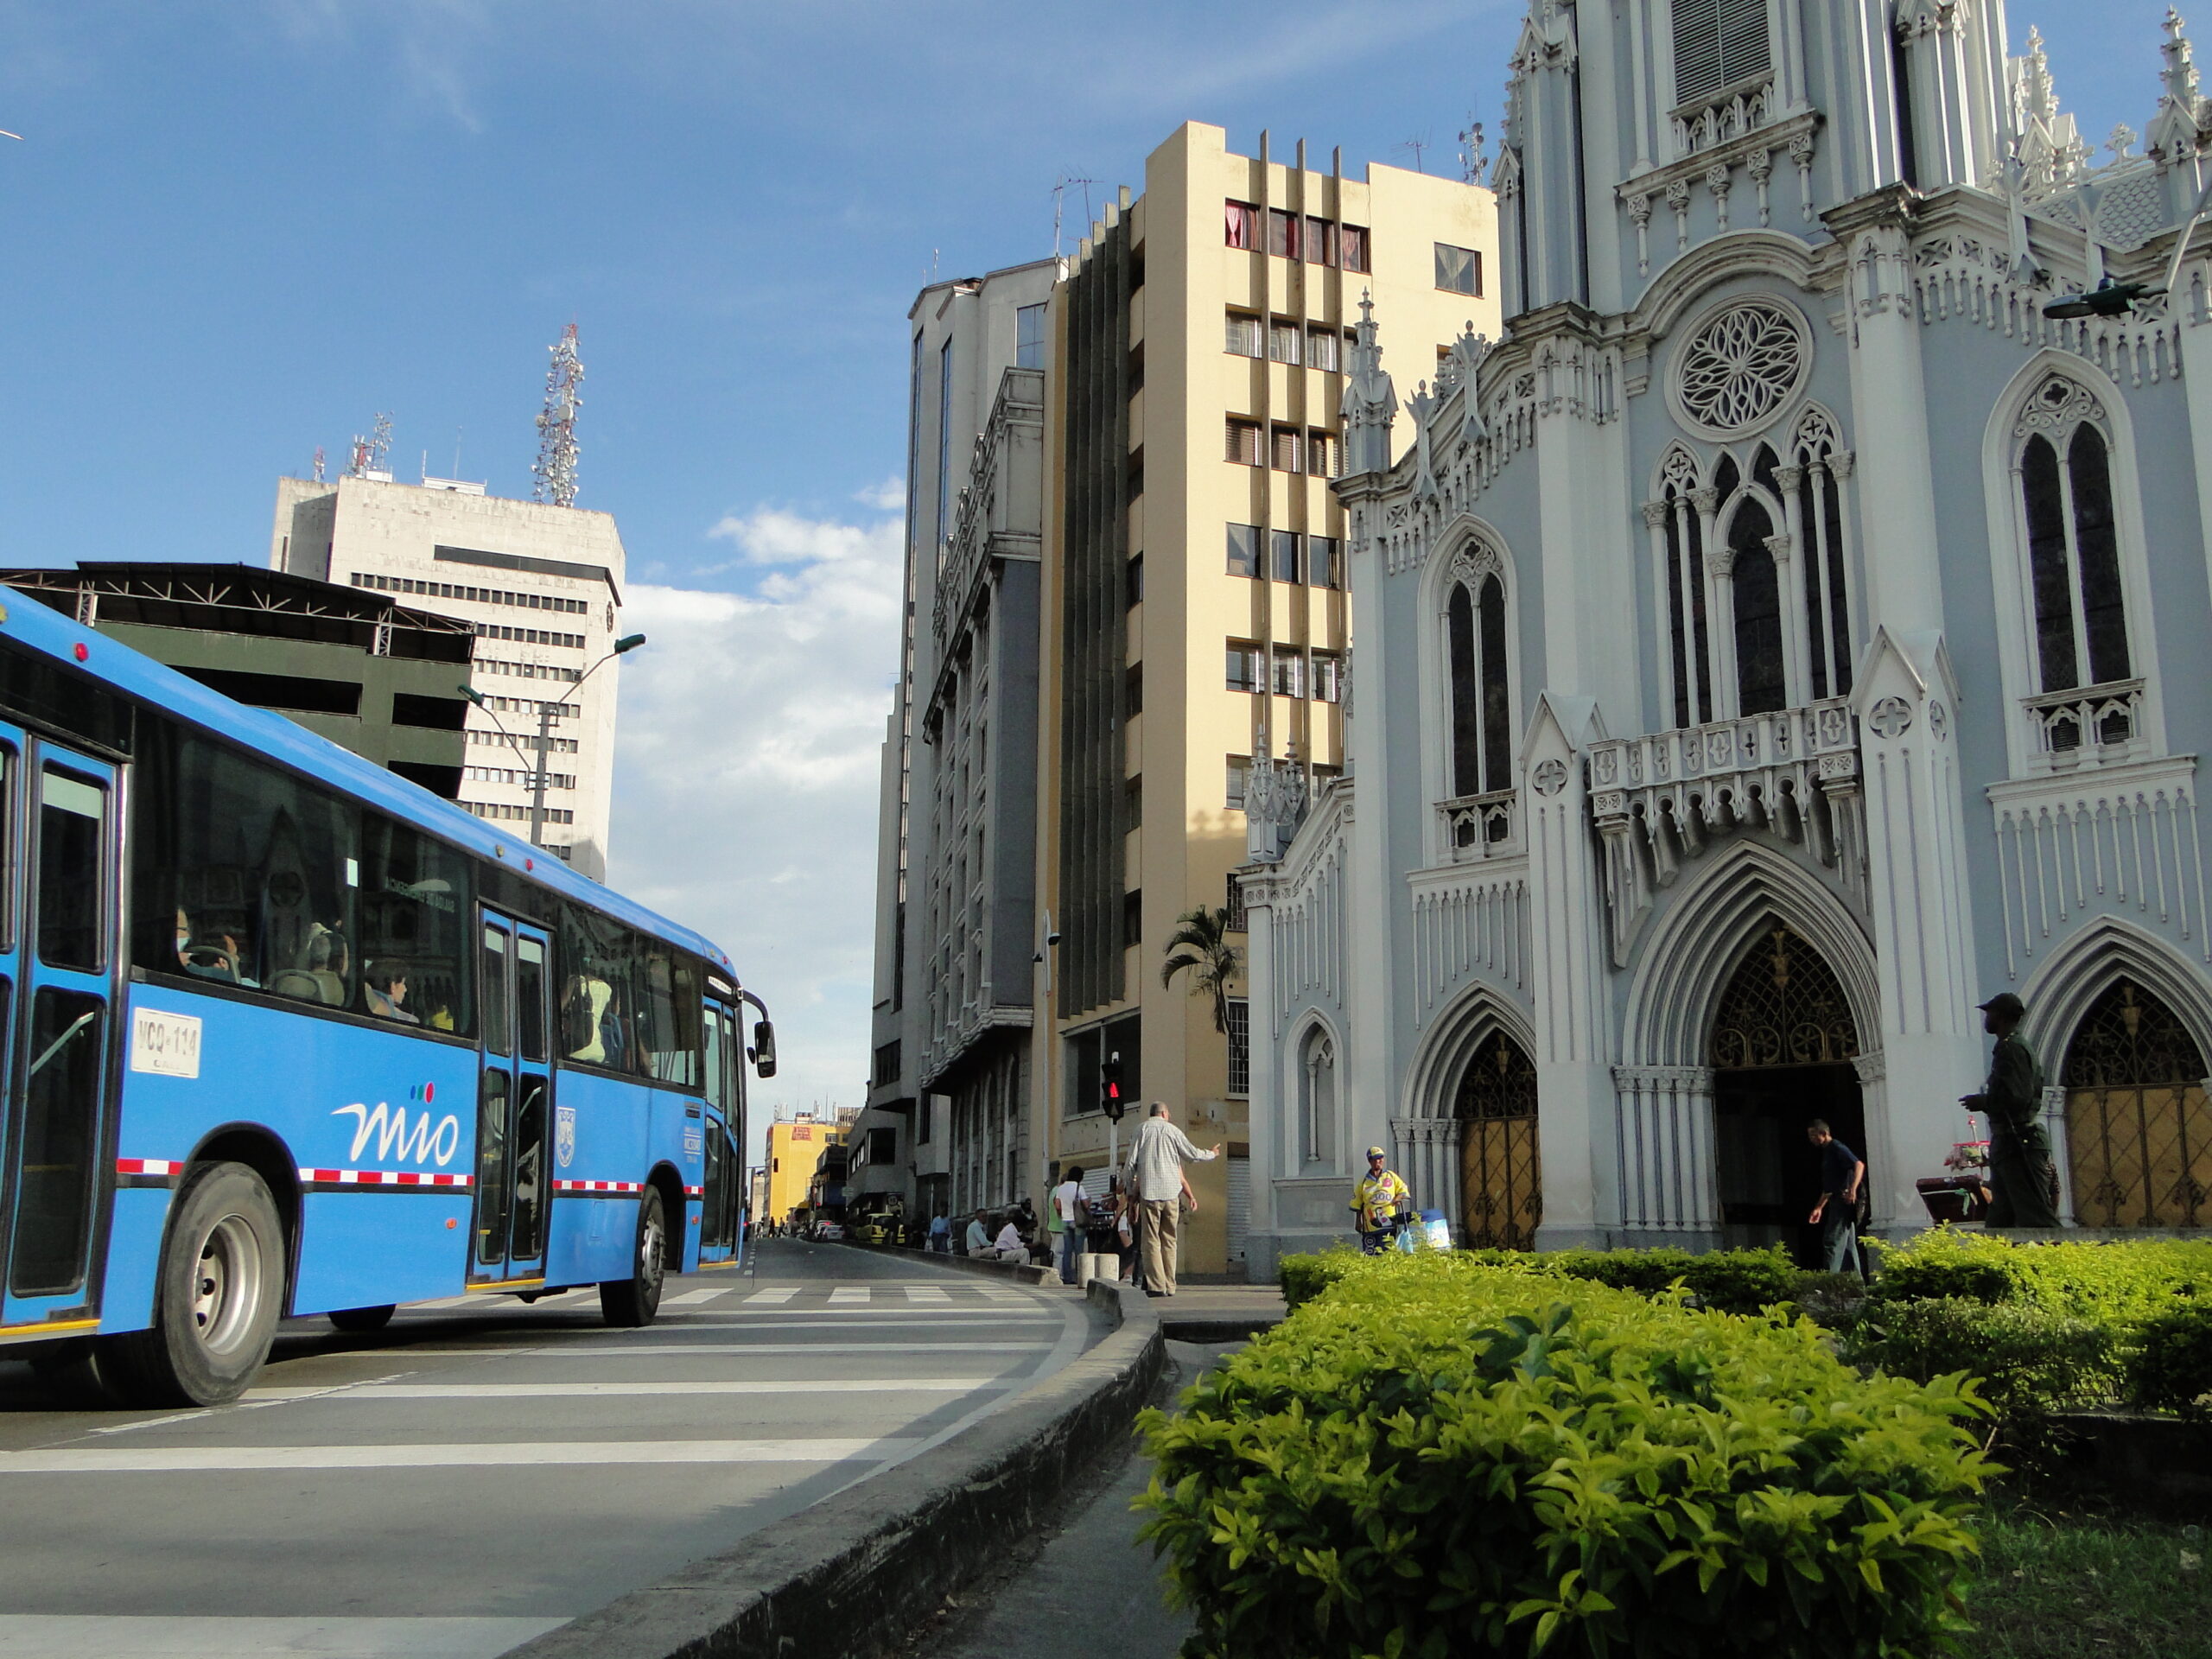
(1836, 1214)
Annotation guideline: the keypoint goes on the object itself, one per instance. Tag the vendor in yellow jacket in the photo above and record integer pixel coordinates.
(1375, 1202)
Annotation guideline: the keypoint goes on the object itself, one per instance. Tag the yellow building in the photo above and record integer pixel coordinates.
(795, 1146)
(1194, 602)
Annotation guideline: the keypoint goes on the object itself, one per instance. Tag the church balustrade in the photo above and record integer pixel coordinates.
(1660, 799)
(2088, 726)
(1730, 112)
(1480, 826)
(1729, 139)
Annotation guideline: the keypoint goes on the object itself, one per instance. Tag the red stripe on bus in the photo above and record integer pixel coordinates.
(147, 1166)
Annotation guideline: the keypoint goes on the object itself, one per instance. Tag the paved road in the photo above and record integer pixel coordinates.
(468, 1479)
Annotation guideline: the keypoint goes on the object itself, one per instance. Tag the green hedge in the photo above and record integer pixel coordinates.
(2120, 1283)
(1444, 1456)
(2172, 1369)
(1735, 1281)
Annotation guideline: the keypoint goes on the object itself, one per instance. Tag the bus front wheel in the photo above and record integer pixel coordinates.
(634, 1301)
(218, 1297)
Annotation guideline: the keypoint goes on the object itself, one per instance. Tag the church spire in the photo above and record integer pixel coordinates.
(1370, 403)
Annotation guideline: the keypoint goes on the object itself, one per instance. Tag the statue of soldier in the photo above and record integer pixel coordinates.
(2020, 1149)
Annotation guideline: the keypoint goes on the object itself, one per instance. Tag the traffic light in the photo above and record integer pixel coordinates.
(1109, 1086)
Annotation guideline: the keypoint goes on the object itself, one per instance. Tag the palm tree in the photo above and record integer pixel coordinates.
(1201, 943)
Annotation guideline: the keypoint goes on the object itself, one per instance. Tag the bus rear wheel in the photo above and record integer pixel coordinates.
(217, 1297)
(358, 1321)
(634, 1301)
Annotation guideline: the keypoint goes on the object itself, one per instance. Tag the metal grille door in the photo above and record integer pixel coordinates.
(2138, 1125)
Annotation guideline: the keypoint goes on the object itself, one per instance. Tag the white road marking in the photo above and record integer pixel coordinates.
(693, 1298)
(772, 1297)
(930, 1295)
(625, 1351)
(848, 1293)
(196, 1460)
(164, 1635)
(995, 1315)
(566, 1390)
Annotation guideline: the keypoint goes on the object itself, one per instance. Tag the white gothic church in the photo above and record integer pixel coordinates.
(1789, 635)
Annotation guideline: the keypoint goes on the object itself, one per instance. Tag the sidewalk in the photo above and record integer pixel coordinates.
(1212, 1314)
(1092, 1578)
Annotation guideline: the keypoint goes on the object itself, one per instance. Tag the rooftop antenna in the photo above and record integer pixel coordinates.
(1059, 201)
(369, 453)
(1472, 161)
(555, 465)
(319, 464)
(1417, 144)
(457, 431)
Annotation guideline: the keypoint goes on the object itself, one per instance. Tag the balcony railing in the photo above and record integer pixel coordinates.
(1480, 826)
(2089, 725)
(1729, 113)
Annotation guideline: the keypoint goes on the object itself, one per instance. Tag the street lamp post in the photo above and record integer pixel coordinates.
(537, 771)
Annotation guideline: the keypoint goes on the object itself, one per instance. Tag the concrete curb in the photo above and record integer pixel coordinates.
(853, 1575)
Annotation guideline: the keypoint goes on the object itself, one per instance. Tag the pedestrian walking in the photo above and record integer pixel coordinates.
(1843, 1174)
(1073, 1210)
(2025, 1182)
(941, 1234)
(1154, 1173)
(1375, 1200)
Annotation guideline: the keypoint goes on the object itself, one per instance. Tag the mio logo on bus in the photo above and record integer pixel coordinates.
(413, 1141)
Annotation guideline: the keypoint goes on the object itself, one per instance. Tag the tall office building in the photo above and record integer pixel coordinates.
(1195, 617)
(946, 1122)
(541, 585)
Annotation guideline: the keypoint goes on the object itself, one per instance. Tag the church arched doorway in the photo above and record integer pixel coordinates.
(1501, 1181)
(1781, 1051)
(2139, 1130)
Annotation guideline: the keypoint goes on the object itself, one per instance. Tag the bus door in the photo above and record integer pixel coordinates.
(513, 1104)
(56, 997)
(725, 1173)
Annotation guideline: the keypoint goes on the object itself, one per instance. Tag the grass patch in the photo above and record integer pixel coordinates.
(2053, 1585)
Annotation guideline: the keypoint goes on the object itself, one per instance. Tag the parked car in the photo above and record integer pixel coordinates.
(829, 1232)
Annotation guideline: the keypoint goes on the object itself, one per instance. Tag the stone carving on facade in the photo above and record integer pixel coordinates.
(1741, 367)
(1275, 800)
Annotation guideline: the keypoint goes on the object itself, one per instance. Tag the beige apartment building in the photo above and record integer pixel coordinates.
(540, 586)
(1194, 603)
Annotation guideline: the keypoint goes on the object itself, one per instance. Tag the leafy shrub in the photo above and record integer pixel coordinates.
(1736, 1281)
(2118, 1282)
(1447, 1457)
(2172, 1368)
(2030, 1363)
(1832, 1300)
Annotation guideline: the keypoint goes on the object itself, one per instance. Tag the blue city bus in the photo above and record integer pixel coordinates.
(284, 1035)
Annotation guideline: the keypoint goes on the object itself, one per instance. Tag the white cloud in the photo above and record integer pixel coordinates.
(746, 789)
(890, 496)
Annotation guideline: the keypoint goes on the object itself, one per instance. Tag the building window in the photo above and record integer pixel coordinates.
(1243, 550)
(923, 1113)
(1244, 449)
(2073, 549)
(1321, 349)
(1132, 690)
(1243, 331)
(1354, 248)
(1324, 456)
(1317, 1089)
(1237, 922)
(1283, 341)
(1755, 590)
(1287, 450)
(1029, 337)
(1289, 677)
(1282, 233)
(1682, 537)
(1133, 581)
(1459, 270)
(1240, 1048)
(1328, 676)
(1240, 225)
(1133, 795)
(1243, 666)
(1132, 918)
(1320, 241)
(1482, 713)
(943, 441)
(1283, 544)
(1324, 561)
(1240, 767)
(1820, 513)
(1718, 43)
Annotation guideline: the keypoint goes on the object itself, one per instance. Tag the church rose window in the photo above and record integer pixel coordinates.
(1740, 367)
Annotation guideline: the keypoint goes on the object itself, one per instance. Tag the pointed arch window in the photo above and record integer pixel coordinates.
(1762, 681)
(1818, 464)
(1317, 1067)
(1682, 531)
(1481, 689)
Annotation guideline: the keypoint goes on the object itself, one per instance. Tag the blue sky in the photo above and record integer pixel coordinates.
(237, 229)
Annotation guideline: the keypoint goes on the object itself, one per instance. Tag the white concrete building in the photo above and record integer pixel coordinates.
(542, 586)
(1788, 635)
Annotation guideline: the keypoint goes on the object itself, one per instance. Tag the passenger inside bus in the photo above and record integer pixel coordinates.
(386, 989)
(202, 960)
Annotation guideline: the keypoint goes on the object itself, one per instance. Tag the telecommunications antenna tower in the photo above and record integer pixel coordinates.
(555, 465)
(370, 453)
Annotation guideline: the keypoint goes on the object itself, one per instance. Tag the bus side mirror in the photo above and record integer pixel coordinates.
(763, 1048)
